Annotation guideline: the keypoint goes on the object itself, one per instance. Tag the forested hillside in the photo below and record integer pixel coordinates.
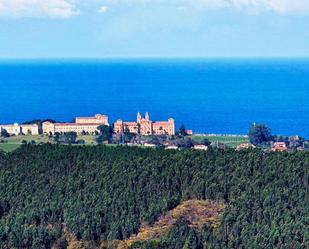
(99, 194)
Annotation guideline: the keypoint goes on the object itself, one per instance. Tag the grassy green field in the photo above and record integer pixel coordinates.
(89, 139)
(28, 138)
(231, 141)
(14, 142)
(7, 147)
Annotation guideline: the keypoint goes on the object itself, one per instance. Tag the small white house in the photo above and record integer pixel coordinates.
(171, 147)
(200, 147)
(150, 145)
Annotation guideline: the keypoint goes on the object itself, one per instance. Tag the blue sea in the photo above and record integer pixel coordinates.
(209, 96)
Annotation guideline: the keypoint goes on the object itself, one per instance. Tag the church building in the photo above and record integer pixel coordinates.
(145, 126)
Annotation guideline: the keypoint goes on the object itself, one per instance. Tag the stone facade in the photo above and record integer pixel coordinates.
(48, 127)
(145, 126)
(131, 127)
(82, 124)
(280, 146)
(30, 129)
(17, 129)
(164, 127)
(200, 147)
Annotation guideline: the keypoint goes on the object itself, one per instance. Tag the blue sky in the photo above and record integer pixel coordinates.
(153, 28)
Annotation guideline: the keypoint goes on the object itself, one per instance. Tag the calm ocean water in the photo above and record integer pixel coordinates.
(212, 96)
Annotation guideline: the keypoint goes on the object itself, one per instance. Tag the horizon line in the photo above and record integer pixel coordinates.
(219, 58)
(155, 57)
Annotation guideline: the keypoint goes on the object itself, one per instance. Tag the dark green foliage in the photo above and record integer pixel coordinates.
(4, 133)
(185, 143)
(105, 133)
(100, 139)
(40, 121)
(182, 131)
(128, 137)
(206, 142)
(4, 208)
(81, 141)
(106, 192)
(259, 134)
(66, 138)
(2, 155)
(292, 141)
(155, 140)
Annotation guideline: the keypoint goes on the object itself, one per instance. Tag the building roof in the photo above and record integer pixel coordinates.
(145, 121)
(130, 123)
(48, 122)
(171, 147)
(200, 147)
(7, 125)
(25, 125)
(244, 146)
(160, 123)
(95, 117)
(76, 124)
(279, 146)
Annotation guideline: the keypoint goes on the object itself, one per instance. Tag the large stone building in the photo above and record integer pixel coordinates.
(18, 129)
(89, 125)
(81, 125)
(145, 126)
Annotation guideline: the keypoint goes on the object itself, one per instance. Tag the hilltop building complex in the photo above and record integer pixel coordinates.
(145, 126)
(81, 125)
(89, 125)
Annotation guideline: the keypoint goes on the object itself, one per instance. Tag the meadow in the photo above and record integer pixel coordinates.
(14, 142)
(229, 140)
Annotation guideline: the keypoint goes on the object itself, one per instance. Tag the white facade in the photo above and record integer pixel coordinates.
(200, 147)
(16, 129)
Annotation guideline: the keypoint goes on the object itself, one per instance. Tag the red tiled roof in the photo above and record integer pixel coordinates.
(200, 146)
(280, 146)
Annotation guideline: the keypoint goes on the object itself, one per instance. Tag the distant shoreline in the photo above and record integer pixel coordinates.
(155, 59)
(220, 135)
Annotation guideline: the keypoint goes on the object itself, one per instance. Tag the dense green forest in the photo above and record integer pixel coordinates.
(104, 193)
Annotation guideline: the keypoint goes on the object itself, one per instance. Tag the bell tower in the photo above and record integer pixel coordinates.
(147, 116)
(139, 117)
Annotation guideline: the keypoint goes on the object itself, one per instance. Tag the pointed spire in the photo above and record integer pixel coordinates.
(146, 116)
(139, 117)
